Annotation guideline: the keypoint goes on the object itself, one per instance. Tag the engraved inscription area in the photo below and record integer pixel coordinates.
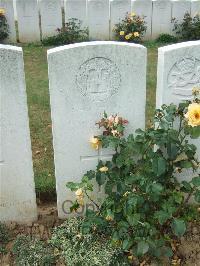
(183, 76)
(98, 79)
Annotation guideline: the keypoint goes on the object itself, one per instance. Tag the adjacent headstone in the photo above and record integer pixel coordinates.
(76, 9)
(161, 17)
(9, 14)
(143, 8)
(178, 72)
(86, 80)
(195, 7)
(98, 19)
(118, 10)
(28, 20)
(17, 192)
(180, 8)
(51, 17)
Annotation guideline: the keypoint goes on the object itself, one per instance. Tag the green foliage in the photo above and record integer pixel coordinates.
(4, 29)
(166, 38)
(70, 33)
(130, 29)
(188, 29)
(34, 252)
(4, 238)
(145, 206)
(91, 249)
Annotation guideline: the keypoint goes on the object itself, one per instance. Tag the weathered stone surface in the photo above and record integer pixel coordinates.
(178, 72)
(28, 20)
(86, 79)
(118, 11)
(51, 17)
(161, 19)
(9, 13)
(179, 8)
(17, 192)
(76, 9)
(98, 19)
(144, 8)
(195, 7)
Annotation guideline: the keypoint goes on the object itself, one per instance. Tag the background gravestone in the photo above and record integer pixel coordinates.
(9, 14)
(17, 192)
(178, 72)
(28, 20)
(76, 9)
(118, 10)
(51, 17)
(144, 8)
(99, 19)
(161, 17)
(179, 8)
(195, 7)
(86, 79)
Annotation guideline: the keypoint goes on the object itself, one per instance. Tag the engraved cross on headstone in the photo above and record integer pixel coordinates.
(99, 156)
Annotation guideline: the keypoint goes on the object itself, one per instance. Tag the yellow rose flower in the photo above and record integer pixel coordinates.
(109, 218)
(79, 192)
(128, 36)
(121, 33)
(2, 11)
(95, 143)
(136, 34)
(103, 169)
(193, 114)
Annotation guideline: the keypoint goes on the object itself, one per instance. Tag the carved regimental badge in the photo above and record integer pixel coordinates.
(183, 76)
(98, 79)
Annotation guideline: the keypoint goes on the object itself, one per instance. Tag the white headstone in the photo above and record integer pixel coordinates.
(51, 17)
(98, 19)
(179, 8)
(178, 72)
(9, 14)
(118, 10)
(76, 9)
(144, 8)
(17, 192)
(161, 19)
(85, 80)
(28, 20)
(195, 7)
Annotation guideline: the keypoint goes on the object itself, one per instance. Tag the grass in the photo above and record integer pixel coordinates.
(36, 71)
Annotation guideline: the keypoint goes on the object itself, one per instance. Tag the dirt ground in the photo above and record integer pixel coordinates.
(186, 252)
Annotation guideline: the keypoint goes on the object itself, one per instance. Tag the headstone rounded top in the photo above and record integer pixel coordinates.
(95, 43)
(10, 47)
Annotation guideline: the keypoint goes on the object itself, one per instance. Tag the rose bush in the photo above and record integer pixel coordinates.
(146, 206)
(130, 29)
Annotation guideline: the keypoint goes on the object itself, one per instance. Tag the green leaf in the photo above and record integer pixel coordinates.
(162, 216)
(195, 132)
(178, 227)
(142, 248)
(186, 164)
(196, 181)
(186, 186)
(159, 166)
(100, 178)
(133, 219)
(166, 251)
(127, 243)
(197, 196)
